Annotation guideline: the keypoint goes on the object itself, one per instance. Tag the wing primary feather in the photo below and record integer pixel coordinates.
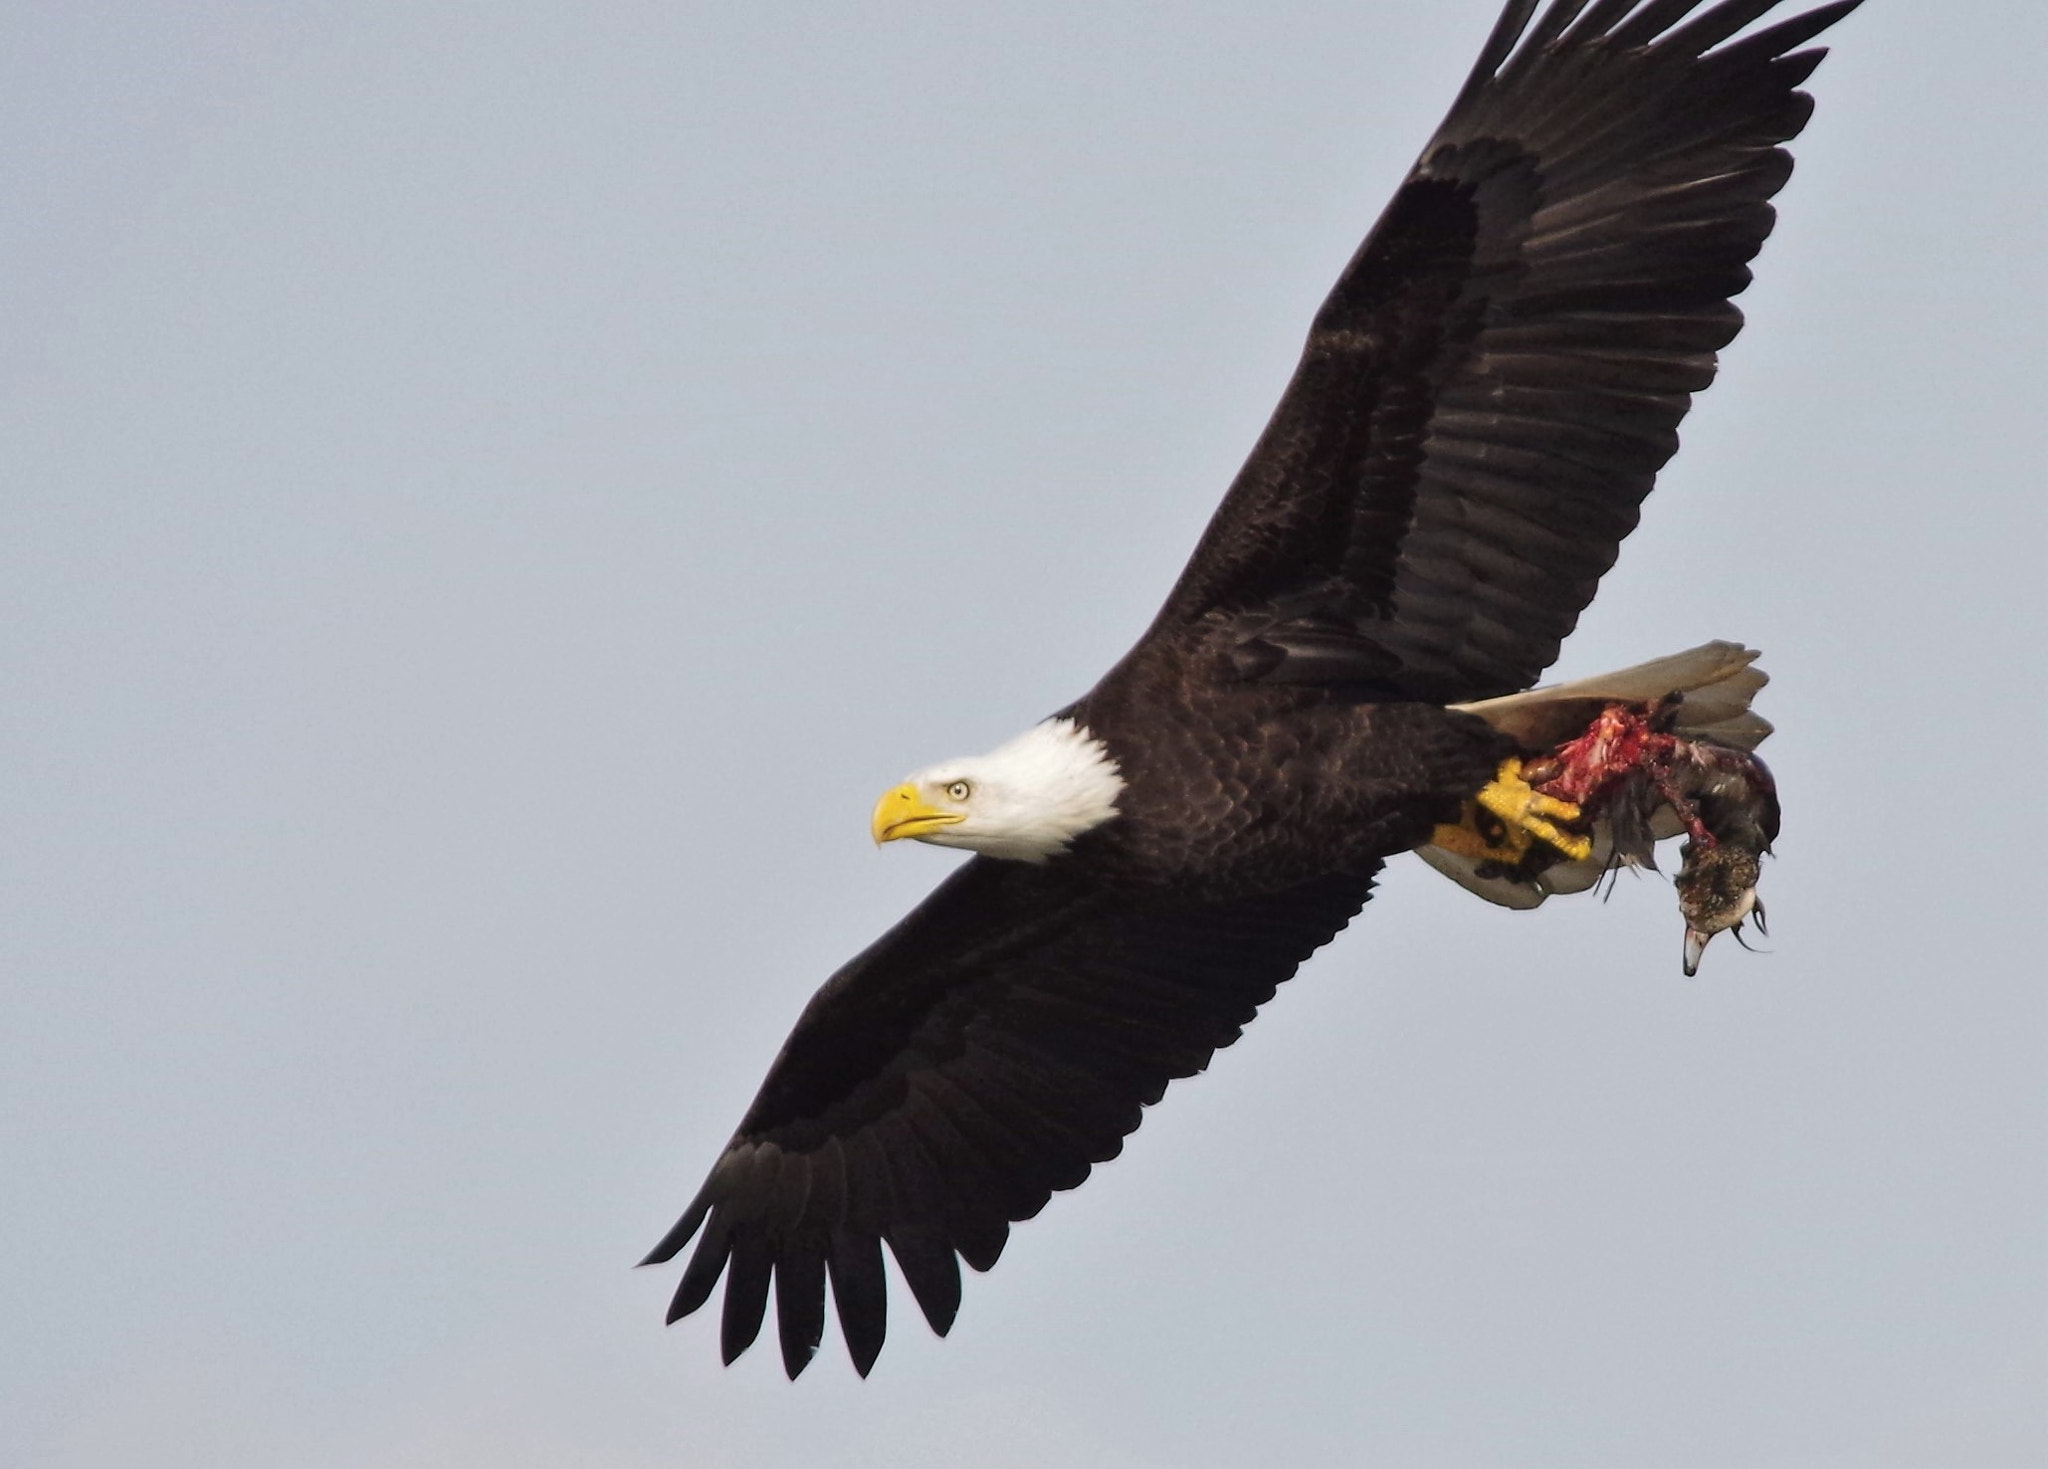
(800, 1299)
(860, 1293)
(685, 1227)
(1699, 36)
(1647, 26)
(1549, 26)
(700, 1276)
(928, 1264)
(980, 1241)
(1599, 20)
(932, 1272)
(746, 1294)
(1778, 40)
(1500, 44)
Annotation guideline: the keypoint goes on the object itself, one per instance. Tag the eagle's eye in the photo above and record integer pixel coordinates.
(959, 790)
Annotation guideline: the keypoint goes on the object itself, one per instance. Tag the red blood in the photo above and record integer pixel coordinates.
(1622, 741)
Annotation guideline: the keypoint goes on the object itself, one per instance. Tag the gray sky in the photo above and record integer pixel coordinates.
(492, 493)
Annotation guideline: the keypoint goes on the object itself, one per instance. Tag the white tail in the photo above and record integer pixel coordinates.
(1718, 681)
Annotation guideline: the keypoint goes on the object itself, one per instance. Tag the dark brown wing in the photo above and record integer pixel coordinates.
(985, 1052)
(1492, 386)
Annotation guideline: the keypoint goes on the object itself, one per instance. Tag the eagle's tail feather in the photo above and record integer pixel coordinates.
(1718, 680)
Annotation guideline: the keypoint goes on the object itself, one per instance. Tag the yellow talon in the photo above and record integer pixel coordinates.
(1507, 817)
(1522, 806)
(1483, 837)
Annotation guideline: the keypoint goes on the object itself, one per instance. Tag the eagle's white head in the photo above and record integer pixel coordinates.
(1025, 800)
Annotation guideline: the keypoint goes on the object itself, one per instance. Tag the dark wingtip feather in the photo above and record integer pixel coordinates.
(746, 1298)
(981, 1247)
(800, 1303)
(1601, 20)
(1500, 44)
(1774, 45)
(1550, 25)
(700, 1276)
(1657, 23)
(680, 1235)
(861, 1293)
(933, 1273)
(1729, 17)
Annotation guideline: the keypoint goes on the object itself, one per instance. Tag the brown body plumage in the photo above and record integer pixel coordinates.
(1237, 786)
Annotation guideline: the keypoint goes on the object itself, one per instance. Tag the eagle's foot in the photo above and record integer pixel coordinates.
(1507, 818)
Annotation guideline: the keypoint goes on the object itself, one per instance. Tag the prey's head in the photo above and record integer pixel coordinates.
(1026, 800)
(1716, 892)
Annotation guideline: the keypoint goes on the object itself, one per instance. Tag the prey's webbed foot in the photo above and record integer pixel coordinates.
(1509, 816)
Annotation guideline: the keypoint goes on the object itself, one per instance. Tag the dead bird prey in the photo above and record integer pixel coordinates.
(1638, 772)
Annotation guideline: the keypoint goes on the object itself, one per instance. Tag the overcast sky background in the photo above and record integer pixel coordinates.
(490, 494)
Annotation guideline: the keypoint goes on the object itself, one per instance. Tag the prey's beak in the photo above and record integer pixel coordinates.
(905, 813)
(1749, 906)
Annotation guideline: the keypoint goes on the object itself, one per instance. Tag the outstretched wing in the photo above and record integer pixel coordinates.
(1492, 386)
(988, 1050)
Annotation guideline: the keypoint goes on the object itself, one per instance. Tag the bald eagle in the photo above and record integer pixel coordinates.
(1482, 404)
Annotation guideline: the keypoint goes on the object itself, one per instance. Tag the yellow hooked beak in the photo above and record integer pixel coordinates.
(905, 813)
